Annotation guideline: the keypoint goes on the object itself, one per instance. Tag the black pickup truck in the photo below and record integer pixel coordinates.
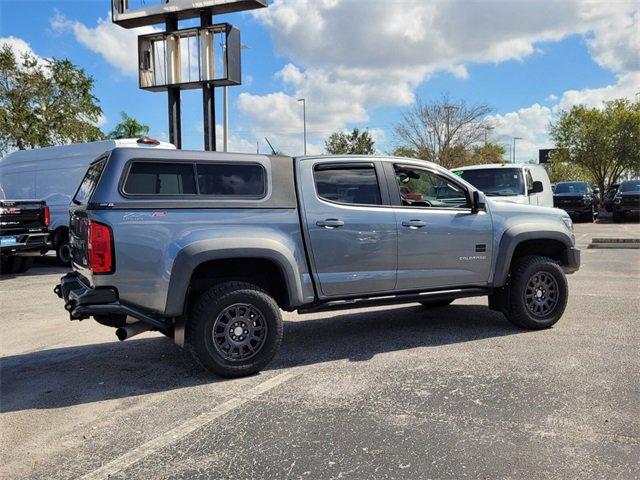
(23, 233)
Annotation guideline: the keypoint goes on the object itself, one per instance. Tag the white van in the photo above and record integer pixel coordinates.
(524, 183)
(53, 174)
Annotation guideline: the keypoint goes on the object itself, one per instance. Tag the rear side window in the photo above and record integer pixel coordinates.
(355, 185)
(225, 179)
(149, 178)
(89, 182)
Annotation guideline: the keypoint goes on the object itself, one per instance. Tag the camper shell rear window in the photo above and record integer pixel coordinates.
(89, 182)
(210, 179)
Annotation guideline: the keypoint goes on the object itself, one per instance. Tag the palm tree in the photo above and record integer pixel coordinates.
(129, 127)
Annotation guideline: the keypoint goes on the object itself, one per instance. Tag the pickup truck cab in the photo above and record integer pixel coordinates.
(524, 183)
(23, 233)
(208, 247)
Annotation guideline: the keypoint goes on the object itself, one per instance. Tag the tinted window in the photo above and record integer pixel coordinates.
(572, 187)
(348, 185)
(630, 186)
(239, 179)
(148, 178)
(421, 188)
(89, 182)
(495, 182)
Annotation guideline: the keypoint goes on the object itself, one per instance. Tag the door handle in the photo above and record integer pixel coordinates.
(330, 223)
(415, 224)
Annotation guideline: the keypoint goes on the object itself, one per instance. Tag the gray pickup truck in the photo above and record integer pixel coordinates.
(208, 247)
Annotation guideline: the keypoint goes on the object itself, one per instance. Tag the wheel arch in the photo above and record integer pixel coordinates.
(517, 242)
(215, 259)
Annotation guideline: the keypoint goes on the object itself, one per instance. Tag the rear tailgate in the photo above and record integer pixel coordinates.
(21, 216)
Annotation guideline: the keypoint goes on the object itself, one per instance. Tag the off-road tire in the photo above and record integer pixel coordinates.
(522, 273)
(436, 303)
(210, 305)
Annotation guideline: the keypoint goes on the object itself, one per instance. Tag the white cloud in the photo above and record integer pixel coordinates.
(19, 47)
(117, 45)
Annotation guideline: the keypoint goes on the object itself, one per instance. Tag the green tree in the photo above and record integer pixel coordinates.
(45, 102)
(484, 153)
(129, 127)
(562, 171)
(601, 143)
(404, 152)
(354, 143)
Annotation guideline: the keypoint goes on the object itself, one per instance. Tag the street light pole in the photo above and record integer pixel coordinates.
(514, 147)
(447, 140)
(304, 122)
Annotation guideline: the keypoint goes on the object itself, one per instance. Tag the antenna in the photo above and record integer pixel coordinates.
(270, 146)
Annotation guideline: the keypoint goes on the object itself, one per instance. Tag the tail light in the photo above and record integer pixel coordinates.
(47, 215)
(100, 248)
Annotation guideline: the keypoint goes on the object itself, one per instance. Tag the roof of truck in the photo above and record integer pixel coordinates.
(497, 165)
(89, 149)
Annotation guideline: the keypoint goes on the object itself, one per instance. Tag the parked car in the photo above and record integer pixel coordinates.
(578, 199)
(627, 200)
(208, 247)
(23, 233)
(53, 175)
(526, 184)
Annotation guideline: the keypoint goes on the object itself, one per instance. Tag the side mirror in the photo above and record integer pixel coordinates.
(477, 202)
(536, 188)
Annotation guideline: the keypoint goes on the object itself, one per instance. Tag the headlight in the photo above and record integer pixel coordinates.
(586, 200)
(568, 222)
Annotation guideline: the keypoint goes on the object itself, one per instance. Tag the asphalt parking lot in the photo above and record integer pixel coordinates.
(399, 392)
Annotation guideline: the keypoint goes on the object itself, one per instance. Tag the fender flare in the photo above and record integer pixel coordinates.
(193, 255)
(511, 238)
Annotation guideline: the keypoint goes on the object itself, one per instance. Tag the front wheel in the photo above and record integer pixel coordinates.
(235, 329)
(538, 293)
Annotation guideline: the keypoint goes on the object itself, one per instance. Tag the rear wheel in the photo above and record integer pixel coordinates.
(27, 263)
(235, 329)
(63, 250)
(15, 264)
(538, 293)
(436, 303)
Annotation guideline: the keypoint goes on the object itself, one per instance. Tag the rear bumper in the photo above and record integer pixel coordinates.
(27, 244)
(572, 263)
(83, 301)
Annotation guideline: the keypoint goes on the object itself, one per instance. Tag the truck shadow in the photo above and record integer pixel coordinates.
(90, 373)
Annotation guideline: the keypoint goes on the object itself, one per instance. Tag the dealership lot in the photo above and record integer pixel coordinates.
(399, 392)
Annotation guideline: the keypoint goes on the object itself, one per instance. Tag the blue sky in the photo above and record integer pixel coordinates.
(362, 67)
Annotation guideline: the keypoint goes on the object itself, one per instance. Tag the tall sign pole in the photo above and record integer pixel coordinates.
(173, 93)
(208, 98)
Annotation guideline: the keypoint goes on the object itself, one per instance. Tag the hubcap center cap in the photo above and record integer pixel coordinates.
(539, 294)
(237, 331)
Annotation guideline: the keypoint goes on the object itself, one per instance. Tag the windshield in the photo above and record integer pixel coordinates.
(572, 187)
(495, 182)
(630, 186)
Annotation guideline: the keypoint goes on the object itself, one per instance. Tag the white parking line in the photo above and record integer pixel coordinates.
(121, 463)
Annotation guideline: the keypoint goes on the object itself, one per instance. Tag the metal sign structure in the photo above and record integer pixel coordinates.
(139, 13)
(205, 57)
(188, 58)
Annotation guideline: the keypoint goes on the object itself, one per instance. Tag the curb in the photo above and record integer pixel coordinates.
(615, 243)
